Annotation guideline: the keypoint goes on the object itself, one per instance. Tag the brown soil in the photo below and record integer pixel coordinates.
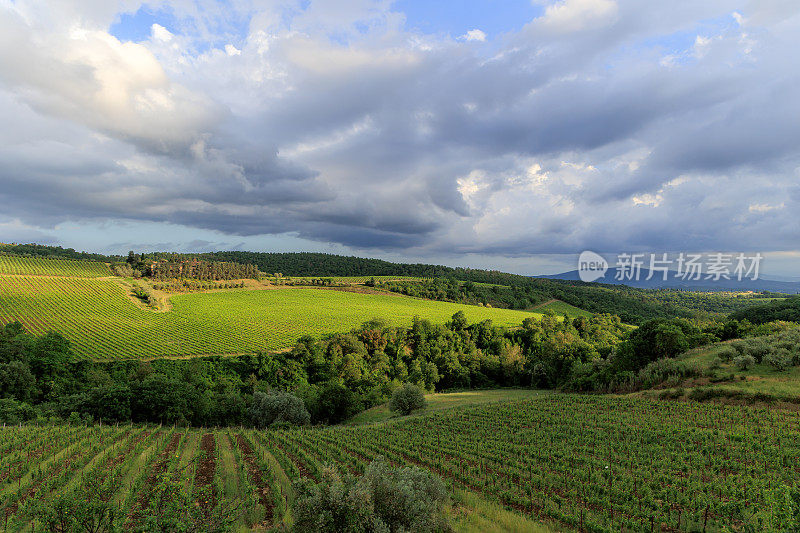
(159, 468)
(204, 490)
(262, 490)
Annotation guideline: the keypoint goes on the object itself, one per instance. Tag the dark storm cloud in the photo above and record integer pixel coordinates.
(601, 124)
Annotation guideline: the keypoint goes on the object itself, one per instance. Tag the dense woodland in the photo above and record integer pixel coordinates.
(788, 310)
(55, 252)
(340, 375)
(336, 376)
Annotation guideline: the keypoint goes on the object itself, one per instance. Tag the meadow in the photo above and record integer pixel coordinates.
(102, 322)
(587, 463)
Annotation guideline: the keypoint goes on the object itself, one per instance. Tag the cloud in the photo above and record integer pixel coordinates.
(474, 35)
(596, 126)
(577, 15)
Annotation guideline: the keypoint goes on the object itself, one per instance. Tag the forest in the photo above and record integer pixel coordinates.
(785, 309)
(342, 374)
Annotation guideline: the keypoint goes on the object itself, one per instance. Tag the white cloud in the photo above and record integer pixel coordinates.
(337, 125)
(577, 15)
(474, 35)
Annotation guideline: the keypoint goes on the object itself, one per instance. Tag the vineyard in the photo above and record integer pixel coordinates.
(52, 267)
(103, 323)
(576, 462)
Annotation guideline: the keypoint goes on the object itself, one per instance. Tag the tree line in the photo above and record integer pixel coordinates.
(339, 375)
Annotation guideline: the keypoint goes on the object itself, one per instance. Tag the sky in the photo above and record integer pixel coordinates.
(508, 134)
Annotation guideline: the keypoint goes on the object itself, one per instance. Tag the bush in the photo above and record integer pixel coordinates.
(14, 412)
(407, 398)
(780, 360)
(665, 370)
(728, 352)
(277, 407)
(758, 348)
(384, 499)
(744, 362)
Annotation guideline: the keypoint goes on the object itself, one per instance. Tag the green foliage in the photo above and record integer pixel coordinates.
(332, 403)
(384, 499)
(14, 412)
(518, 453)
(53, 252)
(657, 339)
(173, 509)
(407, 398)
(781, 350)
(784, 309)
(670, 371)
(89, 511)
(277, 407)
(744, 362)
(104, 324)
(16, 381)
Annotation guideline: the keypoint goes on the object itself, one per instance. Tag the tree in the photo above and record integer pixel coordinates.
(276, 407)
(16, 381)
(407, 398)
(459, 321)
(334, 403)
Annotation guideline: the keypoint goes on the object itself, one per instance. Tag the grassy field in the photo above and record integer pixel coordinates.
(589, 463)
(102, 321)
(450, 400)
(52, 267)
(761, 378)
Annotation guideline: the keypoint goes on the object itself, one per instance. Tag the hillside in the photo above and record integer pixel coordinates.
(633, 305)
(104, 321)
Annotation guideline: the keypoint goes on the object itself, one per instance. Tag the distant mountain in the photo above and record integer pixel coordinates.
(676, 282)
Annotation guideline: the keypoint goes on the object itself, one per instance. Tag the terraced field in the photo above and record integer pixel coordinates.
(103, 323)
(585, 463)
(52, 267)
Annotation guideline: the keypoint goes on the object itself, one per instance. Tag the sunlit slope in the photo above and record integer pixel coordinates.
(102, 322)
(52, 267)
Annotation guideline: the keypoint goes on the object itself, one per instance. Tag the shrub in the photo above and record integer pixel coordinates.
(665, 370)
(122, 269)
(14, 412)
(277, 407)
(728, 352)
(744, 362)
(758, 348)
(384, 499)
(780, 360)
(407, 398)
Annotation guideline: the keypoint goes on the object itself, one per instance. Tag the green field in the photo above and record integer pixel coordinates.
(103, 323)
(447, 400)
(10, 264)
(562, 308)
(588, 463)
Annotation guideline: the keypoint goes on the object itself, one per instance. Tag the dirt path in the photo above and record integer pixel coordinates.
(543, 304)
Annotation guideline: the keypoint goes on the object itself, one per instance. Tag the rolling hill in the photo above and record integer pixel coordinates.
(102, 320)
